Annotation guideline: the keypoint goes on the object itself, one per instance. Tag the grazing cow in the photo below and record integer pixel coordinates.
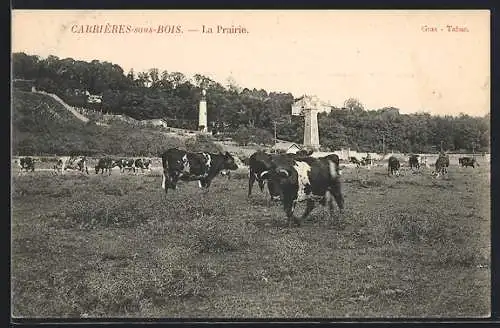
(423, 161)
(467, 161)
(126, 164)
(354, 160)
(442, 164)
(260, 163)
(367, 160)
(78, 163)
(187, 166)
(306, 179)
(143, 164)
(413, 162)
(27, 164)
(393, 167)
(105, 164)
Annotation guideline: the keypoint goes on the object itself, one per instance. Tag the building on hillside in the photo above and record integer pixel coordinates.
(284, 146)
(310, 102)
(293, 149)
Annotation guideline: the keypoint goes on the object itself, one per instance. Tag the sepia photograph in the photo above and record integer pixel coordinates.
(250, 164)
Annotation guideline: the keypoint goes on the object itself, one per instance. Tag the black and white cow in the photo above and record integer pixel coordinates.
(393, 166)
(467, 161)
(105, 164)
(442, 164)
(126, 164)
(187, 166)
(78, 163)
(423, 161)
(306, 179)
(413, 162)
(367, 160)
(26, 164)
(260, 163)
(143, 164)
(354, 160)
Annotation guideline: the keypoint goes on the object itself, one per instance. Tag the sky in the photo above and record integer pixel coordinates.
(383, 58)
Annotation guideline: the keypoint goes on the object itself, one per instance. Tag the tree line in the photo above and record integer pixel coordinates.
(250, 115)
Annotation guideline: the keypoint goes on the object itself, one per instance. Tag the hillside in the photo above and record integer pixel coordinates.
(234, 110)
(42, 126)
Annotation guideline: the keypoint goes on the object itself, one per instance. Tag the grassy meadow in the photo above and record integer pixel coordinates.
(117, 246)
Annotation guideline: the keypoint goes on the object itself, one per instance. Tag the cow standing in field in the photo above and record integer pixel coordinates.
(467, 161)
(260, 163)
(143, 164)
(393, 166)
(413, 162)
(126, 164)
(442, 164)
(78, 163)
(26, 164)
(187, 166)
(354, 160)
(105, 164)
(366, 160)
(306, 179)
(423, 161)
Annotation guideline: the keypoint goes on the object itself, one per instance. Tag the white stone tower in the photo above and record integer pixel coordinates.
(202, 122)
(309, 107)
(311, 131)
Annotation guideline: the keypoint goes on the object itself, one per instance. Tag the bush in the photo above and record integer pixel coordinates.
(202, 143)
(242, 135)
(261, 136)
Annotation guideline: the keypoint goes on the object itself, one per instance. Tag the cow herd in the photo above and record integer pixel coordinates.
(291, 178)
(441, 165)
(106, 164)
(79, 163)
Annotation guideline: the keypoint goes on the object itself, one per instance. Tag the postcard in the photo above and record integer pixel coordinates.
(262, 164)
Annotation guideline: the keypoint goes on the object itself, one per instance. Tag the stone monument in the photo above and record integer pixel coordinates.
(309, 107)
(202, 122)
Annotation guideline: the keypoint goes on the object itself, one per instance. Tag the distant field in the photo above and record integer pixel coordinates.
(100, 246)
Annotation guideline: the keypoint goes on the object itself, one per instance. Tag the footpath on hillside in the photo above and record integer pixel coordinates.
(79, 116)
